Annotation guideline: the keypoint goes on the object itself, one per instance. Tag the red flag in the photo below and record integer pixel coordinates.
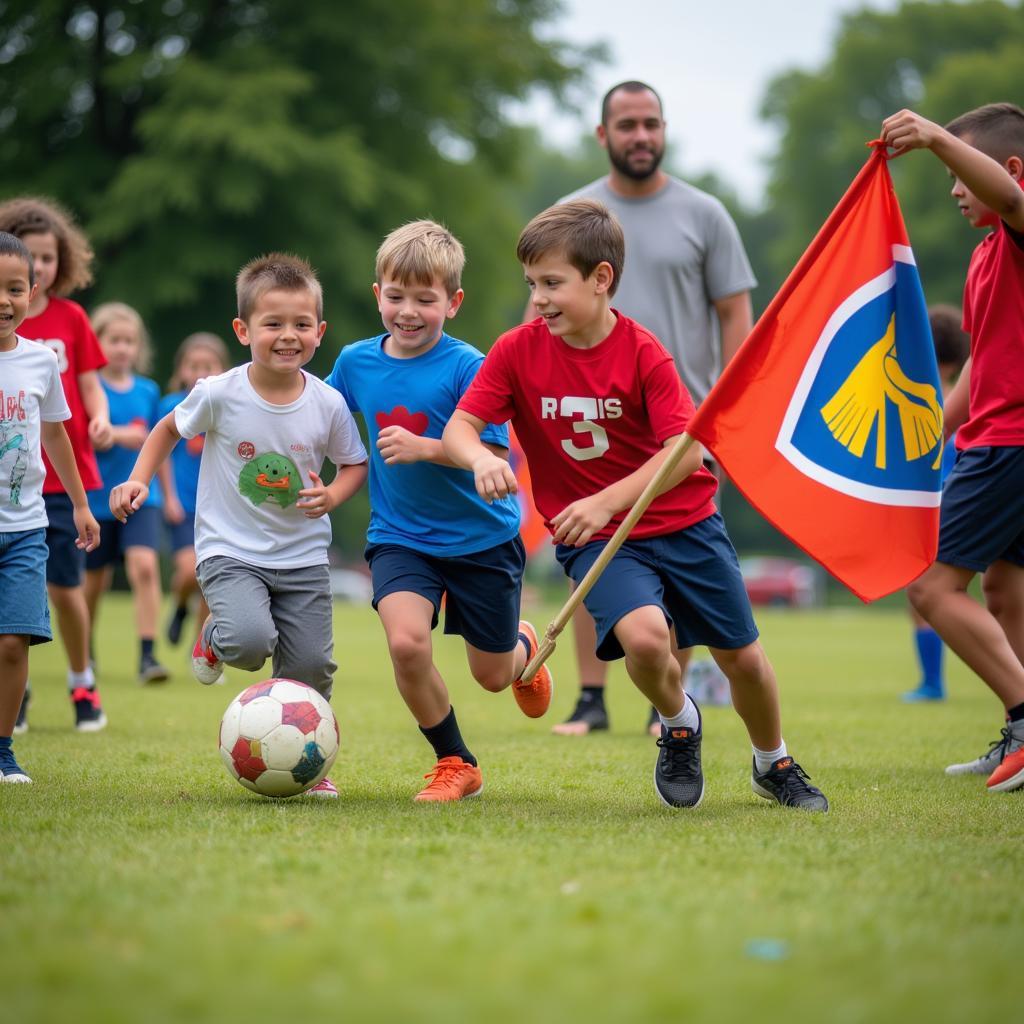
(829, 418)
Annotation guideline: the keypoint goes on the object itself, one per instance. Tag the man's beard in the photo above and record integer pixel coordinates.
(620, 162)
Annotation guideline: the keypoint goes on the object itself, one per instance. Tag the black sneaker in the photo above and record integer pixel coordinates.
(151, 671)
(21, 723)
(89, 715)
(589, 715)
(177, 620)
(788, 784)
(678, 779)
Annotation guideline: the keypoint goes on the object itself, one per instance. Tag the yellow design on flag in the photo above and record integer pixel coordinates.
(852, 411)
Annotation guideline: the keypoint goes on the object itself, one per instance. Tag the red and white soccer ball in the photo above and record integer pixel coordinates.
(279, 737)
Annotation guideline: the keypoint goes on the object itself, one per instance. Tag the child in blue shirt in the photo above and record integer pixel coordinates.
(430, 535)
(133, 401)
(199, 355)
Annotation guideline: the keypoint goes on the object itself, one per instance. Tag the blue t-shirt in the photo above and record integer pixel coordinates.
(186, 457)
(430, 508)
(136, 405)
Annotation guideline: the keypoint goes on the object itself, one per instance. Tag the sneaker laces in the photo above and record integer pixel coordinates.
(444, 774)
(680, 753)
(793, 780)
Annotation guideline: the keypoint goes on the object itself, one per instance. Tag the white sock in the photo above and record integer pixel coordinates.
(688, 718)
(84, 678)
(764, 759)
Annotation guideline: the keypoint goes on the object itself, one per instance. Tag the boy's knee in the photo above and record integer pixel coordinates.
(13, 648)
(409, 647)
(493, 678)
(922, 596)
(645, 642)
(244, 647)
(743, 663)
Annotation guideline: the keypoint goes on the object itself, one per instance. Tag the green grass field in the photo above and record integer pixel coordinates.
(138, 882)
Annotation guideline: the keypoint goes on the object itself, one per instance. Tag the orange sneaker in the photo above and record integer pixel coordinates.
(451, 779)
(533, 695)
(1010, 773)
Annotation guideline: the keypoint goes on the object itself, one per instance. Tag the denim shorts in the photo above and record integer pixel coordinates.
(481, 590)
(66, 561)
(693, 575)
(981, 520)
(142, 530)
(23, 607)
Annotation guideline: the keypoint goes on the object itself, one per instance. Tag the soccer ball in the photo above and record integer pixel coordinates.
(279, 737)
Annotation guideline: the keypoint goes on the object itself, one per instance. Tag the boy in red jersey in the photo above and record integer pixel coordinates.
(597, 403)
(61, 258)
(980, 526)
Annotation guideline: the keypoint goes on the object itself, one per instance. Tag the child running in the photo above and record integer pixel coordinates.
(32, 408)
(62, 260)
(430, 535)
(262, 530)
(198, 356)
(596, 402)
(980, 523)
(133, 402)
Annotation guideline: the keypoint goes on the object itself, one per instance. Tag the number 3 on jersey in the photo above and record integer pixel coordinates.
(590, 410)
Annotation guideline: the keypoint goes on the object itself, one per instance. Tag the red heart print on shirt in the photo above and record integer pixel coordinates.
(415, 422)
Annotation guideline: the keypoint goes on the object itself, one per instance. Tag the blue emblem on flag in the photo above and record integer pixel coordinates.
(866, 417)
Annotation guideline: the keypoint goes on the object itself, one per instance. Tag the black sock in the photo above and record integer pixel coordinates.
(446, 739)
(592, 695)
(146, 648)
(1016, 713)
(181, 612)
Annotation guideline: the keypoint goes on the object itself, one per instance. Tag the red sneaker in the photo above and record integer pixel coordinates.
(1010, 773)
(206, 666)
(533, 695)
(323, 790)
(451, 779)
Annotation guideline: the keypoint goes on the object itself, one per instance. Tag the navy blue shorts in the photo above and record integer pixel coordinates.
(65, 562)
(693, 575)
(982, 516)
(141, 531)
(183, 534)
(481, 590)
(23, 607)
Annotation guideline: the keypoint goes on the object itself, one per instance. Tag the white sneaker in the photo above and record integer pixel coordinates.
(206, 666)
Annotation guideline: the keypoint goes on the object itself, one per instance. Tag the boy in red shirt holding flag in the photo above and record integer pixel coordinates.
(981, 528)
(597, 404)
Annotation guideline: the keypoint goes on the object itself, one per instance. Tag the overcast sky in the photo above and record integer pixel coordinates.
(710, 60)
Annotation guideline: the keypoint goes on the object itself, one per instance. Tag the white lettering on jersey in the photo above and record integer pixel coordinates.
(59, 349)
(590, 411)
(548, 408)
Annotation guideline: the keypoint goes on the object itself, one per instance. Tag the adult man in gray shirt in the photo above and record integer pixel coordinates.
(686, 278)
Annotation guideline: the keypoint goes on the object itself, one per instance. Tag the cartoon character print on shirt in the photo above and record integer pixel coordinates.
(14, 438)
(415, 422)
(268, 477)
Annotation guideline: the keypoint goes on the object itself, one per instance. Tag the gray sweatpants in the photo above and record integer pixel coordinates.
(259, 613)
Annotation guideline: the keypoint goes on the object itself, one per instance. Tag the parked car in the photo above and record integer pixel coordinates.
(784, 582)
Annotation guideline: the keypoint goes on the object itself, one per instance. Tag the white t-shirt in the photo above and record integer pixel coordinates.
(30, 394)
(256, 458)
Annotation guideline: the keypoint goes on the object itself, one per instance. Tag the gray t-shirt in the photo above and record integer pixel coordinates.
(683, 253)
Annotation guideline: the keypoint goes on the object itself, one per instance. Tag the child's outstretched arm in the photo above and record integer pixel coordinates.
(58, 448)
(461, 439)
(128, 497)
(577, 523)
(985, 177)
(322, 498)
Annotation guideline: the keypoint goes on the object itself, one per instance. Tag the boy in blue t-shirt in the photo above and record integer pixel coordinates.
(430, 535)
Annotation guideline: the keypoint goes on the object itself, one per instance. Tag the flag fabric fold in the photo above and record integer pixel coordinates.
(829, 418)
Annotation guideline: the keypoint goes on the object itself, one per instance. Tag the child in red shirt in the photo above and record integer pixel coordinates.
(597, 403)
(62, 258)
(980, 525)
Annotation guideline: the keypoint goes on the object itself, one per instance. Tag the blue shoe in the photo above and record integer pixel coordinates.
(10, 770)
(923, 693)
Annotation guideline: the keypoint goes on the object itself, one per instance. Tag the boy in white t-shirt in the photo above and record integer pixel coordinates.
(261, 531)
(32, 411)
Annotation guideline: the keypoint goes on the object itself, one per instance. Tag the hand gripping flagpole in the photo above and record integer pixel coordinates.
(650, 492)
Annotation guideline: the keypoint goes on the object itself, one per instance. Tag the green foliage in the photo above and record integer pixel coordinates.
(940, 59)
(194, 134)
(140, 883)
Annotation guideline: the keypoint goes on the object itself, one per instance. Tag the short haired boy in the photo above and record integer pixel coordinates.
(32, 411)
(983, 500)
(596, 402)
(431, 537)
(261, 527)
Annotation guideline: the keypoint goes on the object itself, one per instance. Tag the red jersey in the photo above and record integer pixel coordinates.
(64, 327)
(586, 418)
(994, 318)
